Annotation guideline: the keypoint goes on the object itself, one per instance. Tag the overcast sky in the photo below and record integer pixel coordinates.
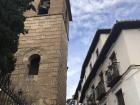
(88, 16)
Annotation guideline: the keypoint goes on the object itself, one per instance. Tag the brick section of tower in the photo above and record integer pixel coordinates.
(47, 37)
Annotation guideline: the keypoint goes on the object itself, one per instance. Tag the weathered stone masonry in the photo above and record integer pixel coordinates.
(47, 37)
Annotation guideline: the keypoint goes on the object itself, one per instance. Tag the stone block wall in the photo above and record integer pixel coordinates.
(46, 37)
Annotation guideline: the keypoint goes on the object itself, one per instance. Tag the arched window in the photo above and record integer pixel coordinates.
(44, 7)
(33, 66)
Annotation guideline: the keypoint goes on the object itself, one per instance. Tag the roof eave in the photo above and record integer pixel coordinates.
(69, 9)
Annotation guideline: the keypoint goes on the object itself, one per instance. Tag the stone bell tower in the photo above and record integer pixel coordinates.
(41, 67)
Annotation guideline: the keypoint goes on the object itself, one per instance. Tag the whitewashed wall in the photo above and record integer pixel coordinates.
(127, 49)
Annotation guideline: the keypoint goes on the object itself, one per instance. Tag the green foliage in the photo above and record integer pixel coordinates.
(11, 25)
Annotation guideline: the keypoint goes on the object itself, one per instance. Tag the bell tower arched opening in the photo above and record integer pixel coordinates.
(43, 7)
(33, 66)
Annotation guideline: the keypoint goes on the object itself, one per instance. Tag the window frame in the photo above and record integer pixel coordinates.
(34, 63)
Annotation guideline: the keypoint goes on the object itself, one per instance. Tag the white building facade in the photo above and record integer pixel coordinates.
(111, 71)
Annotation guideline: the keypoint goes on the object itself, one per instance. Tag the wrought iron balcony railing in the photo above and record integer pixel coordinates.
(112, 74)
(100, 90)
(71, 102)
(91, 99)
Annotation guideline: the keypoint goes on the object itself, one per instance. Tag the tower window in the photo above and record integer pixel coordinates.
(34, 61)
(44, 7)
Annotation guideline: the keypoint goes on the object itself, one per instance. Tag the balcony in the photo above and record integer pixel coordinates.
(100, 90)
(71, 102)
(91, 99)
(112, 74)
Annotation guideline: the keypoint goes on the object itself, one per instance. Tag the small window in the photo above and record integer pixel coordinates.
(44, 7)
(90, 66)
(101, 76)
(120, 98)
(33, 66)
(97, 52)
(92, 86)
(113, 57)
